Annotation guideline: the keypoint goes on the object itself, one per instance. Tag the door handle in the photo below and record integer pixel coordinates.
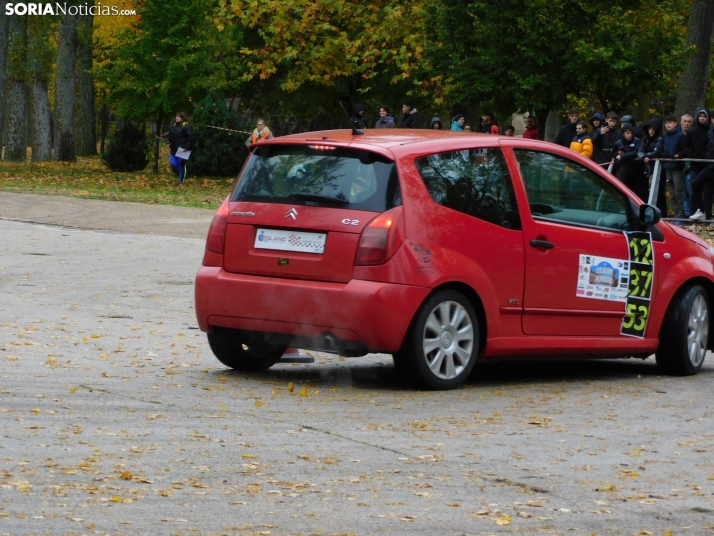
(542, 244)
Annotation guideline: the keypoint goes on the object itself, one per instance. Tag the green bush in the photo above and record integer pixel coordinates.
(128, 150)
(216, 152)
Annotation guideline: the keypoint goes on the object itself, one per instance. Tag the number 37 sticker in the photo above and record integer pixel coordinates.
(639, 288)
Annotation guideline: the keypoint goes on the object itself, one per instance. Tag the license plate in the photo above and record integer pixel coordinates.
(290, 241)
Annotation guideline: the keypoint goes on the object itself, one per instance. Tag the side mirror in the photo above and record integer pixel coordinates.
(649, 215)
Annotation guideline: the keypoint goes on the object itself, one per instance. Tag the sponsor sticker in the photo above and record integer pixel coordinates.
(282, 240)
(603, 278)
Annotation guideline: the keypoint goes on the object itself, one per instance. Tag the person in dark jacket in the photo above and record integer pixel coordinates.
(385, 120)
(411, 119)
(652, 146)
(436, 123)
(597, 121)
(694, 145)
(652, 143)
(674, 171)
(567, 131)
(705, 176)
(489, 124)
(180, 139)
(686, 123)
(604, 139)
(639, 132)
(632, 169)
(358, 120)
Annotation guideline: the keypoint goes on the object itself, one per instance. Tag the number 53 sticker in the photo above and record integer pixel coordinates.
(635, 319)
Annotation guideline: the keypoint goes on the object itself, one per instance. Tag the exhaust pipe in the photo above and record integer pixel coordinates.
(329, 341)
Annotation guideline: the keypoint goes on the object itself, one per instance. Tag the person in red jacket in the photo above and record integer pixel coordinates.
(489, 125)
(531, 131)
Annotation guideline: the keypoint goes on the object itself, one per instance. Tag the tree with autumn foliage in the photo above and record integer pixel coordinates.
(327, 50)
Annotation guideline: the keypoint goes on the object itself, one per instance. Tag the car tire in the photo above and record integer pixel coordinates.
(242, 351)
(685, 332)
(442, 344)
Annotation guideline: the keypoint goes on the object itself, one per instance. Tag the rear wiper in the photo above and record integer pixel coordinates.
(317, 197)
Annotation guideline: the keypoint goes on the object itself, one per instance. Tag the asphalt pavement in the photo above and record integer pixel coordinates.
(116, 418)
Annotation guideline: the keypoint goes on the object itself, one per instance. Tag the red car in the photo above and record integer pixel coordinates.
(444, 249)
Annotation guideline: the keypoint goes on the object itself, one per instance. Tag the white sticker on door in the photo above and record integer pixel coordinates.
(600, 278)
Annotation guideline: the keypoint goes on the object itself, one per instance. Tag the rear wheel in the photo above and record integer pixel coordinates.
(685, 333)
(244, 351)
(440, 349)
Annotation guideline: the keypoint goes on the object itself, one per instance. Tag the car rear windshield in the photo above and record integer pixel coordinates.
(319, 176)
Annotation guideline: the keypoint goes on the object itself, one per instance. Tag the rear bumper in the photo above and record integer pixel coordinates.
(369, 312)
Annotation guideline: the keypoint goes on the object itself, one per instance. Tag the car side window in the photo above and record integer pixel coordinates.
(475, 182)
(562, 190)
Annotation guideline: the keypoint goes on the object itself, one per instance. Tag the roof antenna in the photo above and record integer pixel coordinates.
(355, 131)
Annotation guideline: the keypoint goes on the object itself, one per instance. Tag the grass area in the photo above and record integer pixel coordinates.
(89, 178)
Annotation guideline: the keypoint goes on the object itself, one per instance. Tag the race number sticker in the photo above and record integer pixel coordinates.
(601, 278)
(639, 287)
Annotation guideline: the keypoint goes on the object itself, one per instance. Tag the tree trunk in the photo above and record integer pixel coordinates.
(40, 119)
(16, 135)
(644, 104)
(692, 88)
(4, 34)
(103, 133)
(551, 126)
(64, 89)
(85, 122)
(39, 67)
(157, 142)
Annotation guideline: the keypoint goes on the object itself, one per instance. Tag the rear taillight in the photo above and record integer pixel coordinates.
(217, 232)
(381, 238)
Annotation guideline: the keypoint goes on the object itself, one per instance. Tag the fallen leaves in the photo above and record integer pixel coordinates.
(539, 421)
(89, 178)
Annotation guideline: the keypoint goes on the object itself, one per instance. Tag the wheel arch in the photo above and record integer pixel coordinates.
(709, 288)
(475, 301)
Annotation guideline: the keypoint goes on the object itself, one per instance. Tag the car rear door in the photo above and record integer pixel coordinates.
(577, 256)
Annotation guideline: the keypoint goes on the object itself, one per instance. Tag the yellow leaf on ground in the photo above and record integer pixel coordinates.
(258, 404)
(291, 387)
(505, 520)
(303, 392)
(126, 475)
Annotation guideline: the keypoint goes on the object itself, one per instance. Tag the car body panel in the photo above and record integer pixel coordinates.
(528, 295)
(357, 310)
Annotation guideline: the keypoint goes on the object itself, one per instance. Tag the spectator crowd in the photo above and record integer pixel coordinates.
(628, 149)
